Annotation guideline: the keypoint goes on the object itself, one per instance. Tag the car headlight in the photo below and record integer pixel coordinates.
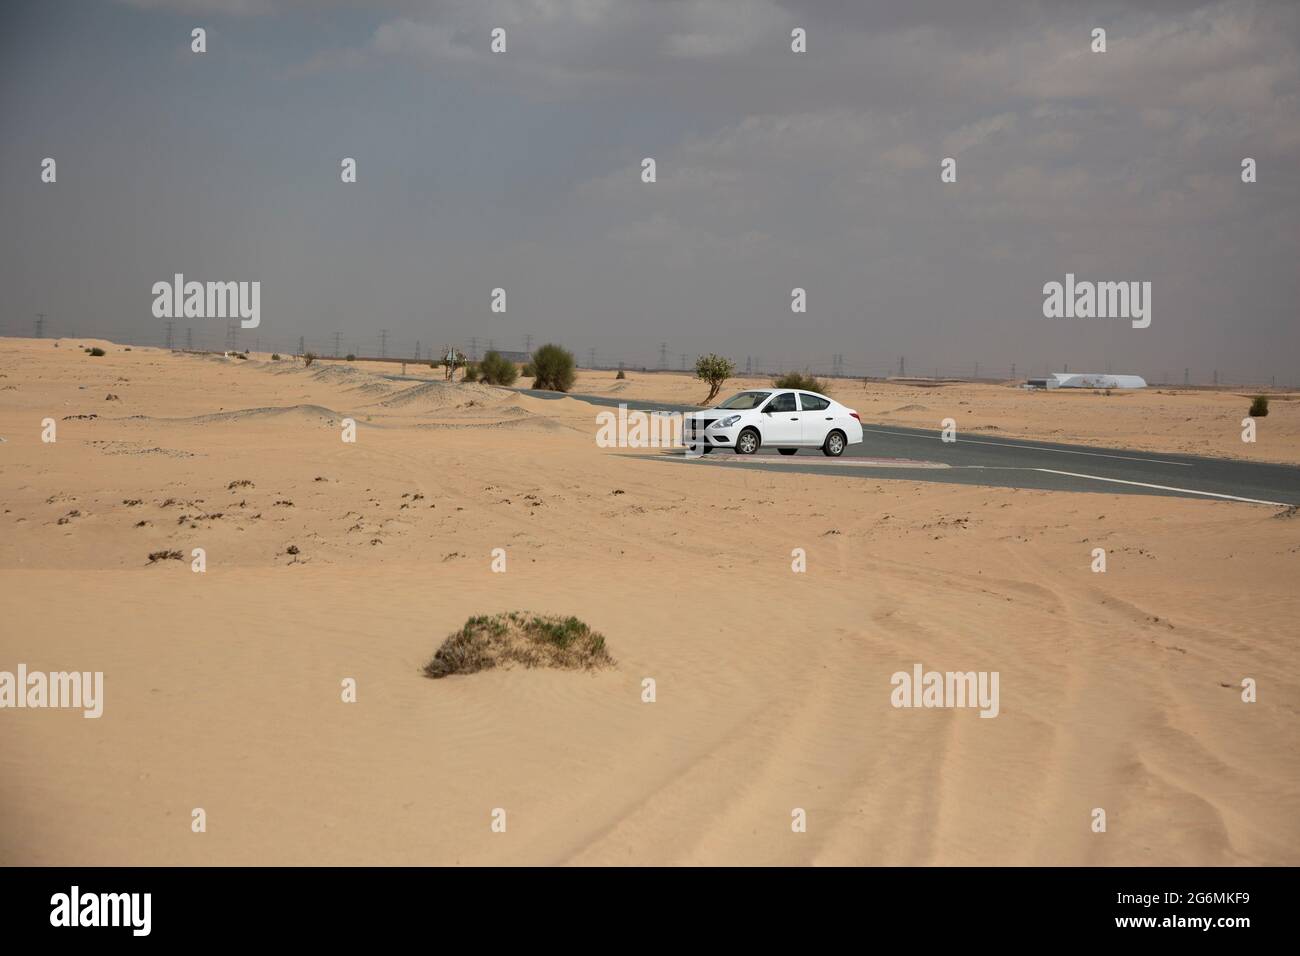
(727, 422)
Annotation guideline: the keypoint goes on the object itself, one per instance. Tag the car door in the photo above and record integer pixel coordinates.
(780, 424)
(817, 418)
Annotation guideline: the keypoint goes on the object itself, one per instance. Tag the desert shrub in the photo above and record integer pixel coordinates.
(798, 380)
(530, 640)
(275, 356)
(308, 358)
(553, 368)
(621, 374)
(351, 357)
(529, 370)
(96, 351)
(165, 556)
(471, 372)
(496, 370)
(715, 370)
(1259, 406)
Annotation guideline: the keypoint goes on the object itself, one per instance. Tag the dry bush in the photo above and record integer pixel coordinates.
(530, 640)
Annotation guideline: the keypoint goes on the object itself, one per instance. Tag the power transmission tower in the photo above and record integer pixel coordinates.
(683, 361)
(169, 325)
(591, 358)
(231, 340)
(977, 369)
(492, 345)
(663, 355)
(189, 339)
(528, 344)
(901, 373)
(302, 345)
(473, 349)
(40, 325)
(383, 343)
(336, 345)
(417, 350)
(749, 364)
(1013, 369)
(1187, 376)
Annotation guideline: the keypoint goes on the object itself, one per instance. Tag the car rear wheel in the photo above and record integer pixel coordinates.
(787, 451)
(747, 442)
(833, 447)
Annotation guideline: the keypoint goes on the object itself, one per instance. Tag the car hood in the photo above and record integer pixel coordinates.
(711, 413)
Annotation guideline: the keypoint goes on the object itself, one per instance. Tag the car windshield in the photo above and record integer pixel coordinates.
(744, 400)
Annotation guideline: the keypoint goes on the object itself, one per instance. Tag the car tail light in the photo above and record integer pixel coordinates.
(856, 415)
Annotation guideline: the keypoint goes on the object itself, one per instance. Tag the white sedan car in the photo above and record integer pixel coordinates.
(785, 419)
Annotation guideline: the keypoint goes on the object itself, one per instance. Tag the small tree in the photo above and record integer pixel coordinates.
(275, 356)
(553, 368)
(1259, 406)
(496, 370)
(308, 358)
(471, 372)
(351, 357)
(715, 370)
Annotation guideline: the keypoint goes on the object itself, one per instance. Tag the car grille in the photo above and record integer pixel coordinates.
(697, 426)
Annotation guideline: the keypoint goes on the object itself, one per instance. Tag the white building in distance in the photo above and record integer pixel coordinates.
(1087, 380)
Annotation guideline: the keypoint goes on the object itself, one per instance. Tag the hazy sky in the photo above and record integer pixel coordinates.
(775, 170)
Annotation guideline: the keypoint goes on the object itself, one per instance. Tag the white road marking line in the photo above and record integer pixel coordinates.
(1059, 451)
(1186, 491)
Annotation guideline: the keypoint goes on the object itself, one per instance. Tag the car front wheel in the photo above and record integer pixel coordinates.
(833, 447)
(747, 442)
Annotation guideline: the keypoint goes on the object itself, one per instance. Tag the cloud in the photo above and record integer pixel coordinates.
(973, 134)
(701, 28)
(424, 40)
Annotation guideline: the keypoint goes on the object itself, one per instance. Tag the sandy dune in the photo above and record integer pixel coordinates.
(222, 690)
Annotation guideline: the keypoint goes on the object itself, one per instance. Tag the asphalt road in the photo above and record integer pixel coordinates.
(1008, 462)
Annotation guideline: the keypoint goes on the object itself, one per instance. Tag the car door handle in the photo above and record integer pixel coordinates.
(829, 418)
(794, 418)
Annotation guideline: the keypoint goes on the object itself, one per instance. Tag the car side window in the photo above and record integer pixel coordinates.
(813, 403)
(783, 403)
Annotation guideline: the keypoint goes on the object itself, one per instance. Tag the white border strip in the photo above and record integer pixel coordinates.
(1186, 491)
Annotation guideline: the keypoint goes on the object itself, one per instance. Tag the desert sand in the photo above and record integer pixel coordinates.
(1119, 691)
